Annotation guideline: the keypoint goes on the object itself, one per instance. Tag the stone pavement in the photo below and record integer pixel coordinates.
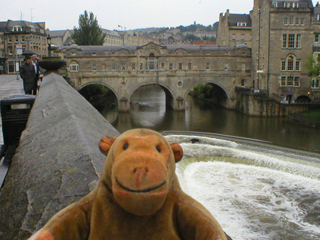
(9, 85)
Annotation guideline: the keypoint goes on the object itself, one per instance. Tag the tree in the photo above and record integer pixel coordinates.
(313, 66)
(192, 38)
(89, 32)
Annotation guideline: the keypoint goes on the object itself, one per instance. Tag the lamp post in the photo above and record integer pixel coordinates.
(49, 43)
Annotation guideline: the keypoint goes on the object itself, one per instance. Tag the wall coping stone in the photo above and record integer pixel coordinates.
(57, 160)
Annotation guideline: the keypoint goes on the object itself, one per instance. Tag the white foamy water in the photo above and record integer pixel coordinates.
(253, 192)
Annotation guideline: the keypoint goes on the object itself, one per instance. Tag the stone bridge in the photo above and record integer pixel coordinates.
(177, 69)
(176, 86)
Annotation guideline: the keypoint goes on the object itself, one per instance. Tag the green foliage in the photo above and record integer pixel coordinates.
(193, 28)
(312, 116)
(89, 32)
(203, 91)
(313, 67)
(94, 91)
(212, 39)
(192, 37)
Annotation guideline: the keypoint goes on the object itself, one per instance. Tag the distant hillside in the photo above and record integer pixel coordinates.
(190, 28)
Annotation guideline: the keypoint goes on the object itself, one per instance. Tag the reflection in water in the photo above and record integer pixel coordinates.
(148, 110)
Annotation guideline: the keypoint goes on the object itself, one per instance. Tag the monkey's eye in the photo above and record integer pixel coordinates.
(125, 146)
(158, 149)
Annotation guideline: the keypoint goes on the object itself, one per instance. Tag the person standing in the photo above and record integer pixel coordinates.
(34, 59)
(28, 75)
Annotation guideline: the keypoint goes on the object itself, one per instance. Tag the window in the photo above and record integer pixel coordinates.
(243, 38)
(243, 67)
(291, 40)
(241, 24)
(113, 66)
(234, 37)
(10, 40)
(290, 81)
(291, 20)
(189, 66)
(133, 66)
(170, 66)
(298, 41)
(284, 40)
(180, 66)
(291, 5)
(152, 62)
(162, 65)
(94, 67)
(74, 67)
(226, 67)
(283, 66)
(316, 37)
(302, 21)
(275, 4)
(316, 83)
(243, 82)
(17, 29)
(10, 50)
(141, 66)
(290, 64)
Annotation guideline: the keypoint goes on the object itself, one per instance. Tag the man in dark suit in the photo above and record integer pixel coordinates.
(27, 74)
(34, 58)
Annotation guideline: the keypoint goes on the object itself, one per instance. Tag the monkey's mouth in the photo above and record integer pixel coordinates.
(140, 191)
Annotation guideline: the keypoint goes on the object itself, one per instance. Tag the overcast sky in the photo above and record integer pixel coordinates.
(130, 14)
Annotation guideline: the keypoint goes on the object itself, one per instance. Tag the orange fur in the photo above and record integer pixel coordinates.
(138, 197)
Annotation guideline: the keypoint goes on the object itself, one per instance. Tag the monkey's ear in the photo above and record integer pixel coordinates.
(106, 143)
(177, 151)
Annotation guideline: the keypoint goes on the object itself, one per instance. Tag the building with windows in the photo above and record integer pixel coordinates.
(315, 84)
(282, 41)
(234, 29)
(24, 35)
(60, 38)
(283, 35)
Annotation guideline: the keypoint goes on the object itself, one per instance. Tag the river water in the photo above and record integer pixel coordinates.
(256, 189)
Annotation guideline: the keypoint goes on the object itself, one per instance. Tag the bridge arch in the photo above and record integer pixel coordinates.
(168, 92)
(99, 83)
(219, 92)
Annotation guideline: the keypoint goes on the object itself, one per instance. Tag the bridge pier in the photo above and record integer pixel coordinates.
(178, 104)
(124, 105)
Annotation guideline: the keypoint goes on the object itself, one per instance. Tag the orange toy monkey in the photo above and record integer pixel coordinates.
(138, 197)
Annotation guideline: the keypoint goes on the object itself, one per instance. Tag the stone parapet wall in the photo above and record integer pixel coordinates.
(57, 160)
(255, 105)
